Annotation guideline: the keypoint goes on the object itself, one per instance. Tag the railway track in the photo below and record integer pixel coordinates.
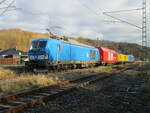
(21, 100)
(50, 72)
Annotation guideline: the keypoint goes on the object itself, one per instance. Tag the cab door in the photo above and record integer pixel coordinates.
(58, 52)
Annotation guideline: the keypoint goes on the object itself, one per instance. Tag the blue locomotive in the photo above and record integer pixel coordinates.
(51, 53)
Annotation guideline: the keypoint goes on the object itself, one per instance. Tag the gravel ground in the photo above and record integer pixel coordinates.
(128, 92)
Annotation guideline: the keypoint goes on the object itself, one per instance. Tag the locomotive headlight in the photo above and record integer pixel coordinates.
(46, 56)
(42, 57)
(31, 57)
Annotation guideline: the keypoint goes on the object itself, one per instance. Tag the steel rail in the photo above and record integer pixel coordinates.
(21, 100)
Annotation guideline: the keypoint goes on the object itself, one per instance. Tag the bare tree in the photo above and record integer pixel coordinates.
(2, 1)
(7, 8)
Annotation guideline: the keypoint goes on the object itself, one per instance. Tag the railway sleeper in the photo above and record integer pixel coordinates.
(37, 98)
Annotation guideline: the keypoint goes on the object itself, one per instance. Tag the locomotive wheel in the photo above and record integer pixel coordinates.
(78, 66)
(59, 67)
(65, 66)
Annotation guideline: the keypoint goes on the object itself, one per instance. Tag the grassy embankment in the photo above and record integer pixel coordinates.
(27, 80)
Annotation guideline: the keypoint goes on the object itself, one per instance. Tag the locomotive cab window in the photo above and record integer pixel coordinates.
(38, 45)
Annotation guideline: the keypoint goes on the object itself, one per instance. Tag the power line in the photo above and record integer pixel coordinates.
(144, 23)
(128, 10)
(90, 9)
(121, 20)
(111, 21)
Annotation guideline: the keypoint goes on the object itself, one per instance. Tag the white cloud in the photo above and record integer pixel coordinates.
(77, 18)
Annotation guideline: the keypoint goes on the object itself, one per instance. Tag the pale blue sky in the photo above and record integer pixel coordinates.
(76, 18)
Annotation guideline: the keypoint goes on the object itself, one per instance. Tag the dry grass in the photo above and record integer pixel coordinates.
(26, 82)
(73, 74)
(5, 72)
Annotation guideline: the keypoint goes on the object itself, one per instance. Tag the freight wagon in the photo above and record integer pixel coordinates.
(56, 54)
(108, 56)
(125, 59)
(121, 58)
(131, 58)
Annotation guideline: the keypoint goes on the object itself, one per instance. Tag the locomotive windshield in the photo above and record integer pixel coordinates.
(38, 45)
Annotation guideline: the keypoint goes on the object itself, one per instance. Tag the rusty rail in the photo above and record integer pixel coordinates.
(21, 100)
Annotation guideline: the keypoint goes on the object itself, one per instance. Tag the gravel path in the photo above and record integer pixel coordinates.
(124, 93)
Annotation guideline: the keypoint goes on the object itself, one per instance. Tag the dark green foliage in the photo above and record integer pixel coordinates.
(138, 51)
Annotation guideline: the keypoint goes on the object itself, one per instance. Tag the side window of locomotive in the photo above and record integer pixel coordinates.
(94, 54)
(58, 47)
(90, 54)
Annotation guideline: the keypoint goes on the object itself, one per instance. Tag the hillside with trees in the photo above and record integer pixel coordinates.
(12, 38)
(122, 47)
(21, 39)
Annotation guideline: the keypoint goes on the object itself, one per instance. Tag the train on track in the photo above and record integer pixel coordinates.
(55, 53)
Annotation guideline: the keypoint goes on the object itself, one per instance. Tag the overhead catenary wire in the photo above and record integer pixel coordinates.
(90, 9)
(123, 21)
(43, 13)
(119, 20)
(128, 10)
(111, 21)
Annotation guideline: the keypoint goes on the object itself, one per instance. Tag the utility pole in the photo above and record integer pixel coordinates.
(144, 30)
(144, 26)
(97, 42)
